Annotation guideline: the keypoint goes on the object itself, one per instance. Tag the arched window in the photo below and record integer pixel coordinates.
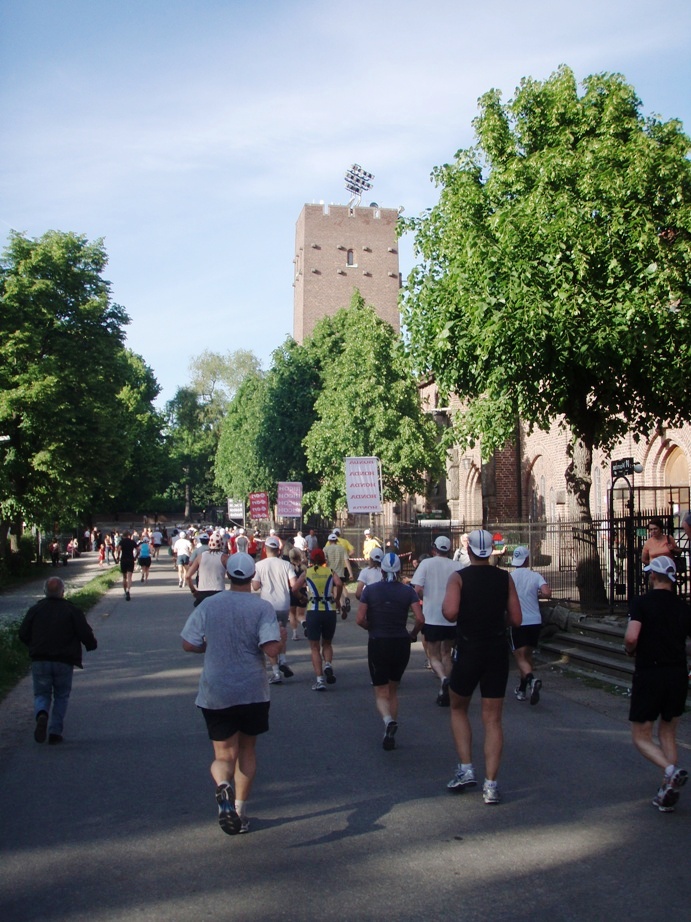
(676, 469)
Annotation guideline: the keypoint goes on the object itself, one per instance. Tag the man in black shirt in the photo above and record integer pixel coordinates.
(128, 554)
(482, 601)
(54, 631)
(659, 624)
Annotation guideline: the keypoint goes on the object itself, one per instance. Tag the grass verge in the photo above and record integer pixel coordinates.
(14, 656)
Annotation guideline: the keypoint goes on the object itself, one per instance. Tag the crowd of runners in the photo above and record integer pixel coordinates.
(469, 615)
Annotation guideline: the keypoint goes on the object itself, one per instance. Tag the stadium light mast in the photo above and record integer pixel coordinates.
(357, 181)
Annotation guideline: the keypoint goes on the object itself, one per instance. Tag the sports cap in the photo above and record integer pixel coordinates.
(240, 566)
(442, 543)
(520, 555)
(391, 564)
(333, 537)
(204, 538)
(272, 542)
(337, 531)
(663, 565)
(215, 542)
(367, 531)
(376, 554)
(480, 542)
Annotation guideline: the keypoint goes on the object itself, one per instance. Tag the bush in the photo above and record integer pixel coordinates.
(14, 658)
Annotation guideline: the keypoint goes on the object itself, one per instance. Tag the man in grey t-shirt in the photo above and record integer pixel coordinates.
(234, 630)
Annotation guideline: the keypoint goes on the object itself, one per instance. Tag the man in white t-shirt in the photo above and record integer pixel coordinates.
(530, 587)
(429, 581)
(182, 550)
(274, 579)
(233, 630)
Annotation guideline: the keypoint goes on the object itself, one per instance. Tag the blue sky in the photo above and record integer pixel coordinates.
(190, 134)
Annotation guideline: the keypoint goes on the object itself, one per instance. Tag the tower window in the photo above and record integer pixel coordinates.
(350, 258)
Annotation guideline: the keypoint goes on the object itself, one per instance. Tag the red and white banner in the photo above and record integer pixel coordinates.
(259, 505)
(290, 500)
(363, 484)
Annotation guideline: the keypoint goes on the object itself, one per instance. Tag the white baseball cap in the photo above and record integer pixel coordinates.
(442, 543)
(240, 566)
(376, 554)
(480, 542)
(663, 565)
(272, 542)
(520, 555)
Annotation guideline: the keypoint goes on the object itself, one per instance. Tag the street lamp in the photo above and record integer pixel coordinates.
(623, 469)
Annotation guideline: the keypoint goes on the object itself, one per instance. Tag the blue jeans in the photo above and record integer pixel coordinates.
(52, 681)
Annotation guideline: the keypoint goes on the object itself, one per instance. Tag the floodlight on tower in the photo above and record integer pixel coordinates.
(357, 181)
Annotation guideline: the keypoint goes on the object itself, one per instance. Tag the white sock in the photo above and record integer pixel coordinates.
(240, 807)
(465, 766)
(387, 720)
(669, 771)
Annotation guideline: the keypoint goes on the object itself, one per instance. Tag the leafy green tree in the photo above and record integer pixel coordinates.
(240, 466)
(62, 368)
(555, 272)
(191, 443)
(216, 378)
(368, 405)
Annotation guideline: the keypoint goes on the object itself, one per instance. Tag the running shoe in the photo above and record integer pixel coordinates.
(329, 673)
(228, 819)
(464, 778)
(346, 605)
(678, 779)
(286, 670)
(443, 698)
(319, 685)
(490, 792)
(244, 824)
(389, 742)
(127, 596)
(666, 798)
(519, 693)
(41, 727)
(535, 687)
(275, 679)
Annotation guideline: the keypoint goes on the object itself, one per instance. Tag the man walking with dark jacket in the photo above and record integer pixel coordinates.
(54, 631)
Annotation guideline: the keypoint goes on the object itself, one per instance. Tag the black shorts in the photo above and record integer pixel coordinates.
(527, 635)
(144, 561)
(435, 633)
(387, 658)
(484, 664)
(321, 625)
(127, 566)
(659, 691)
(250, 719)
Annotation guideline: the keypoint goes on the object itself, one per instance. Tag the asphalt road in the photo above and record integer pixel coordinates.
(119, 822)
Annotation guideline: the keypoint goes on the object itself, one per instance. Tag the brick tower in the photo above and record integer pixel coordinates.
(339, 248)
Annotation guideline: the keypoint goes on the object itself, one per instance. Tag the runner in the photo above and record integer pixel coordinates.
(383, 613)
(531, 587)
(320, 619)
(234, 630)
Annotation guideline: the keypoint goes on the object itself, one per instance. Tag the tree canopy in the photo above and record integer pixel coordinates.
(555, 273)
(74, 402)
(347, 390)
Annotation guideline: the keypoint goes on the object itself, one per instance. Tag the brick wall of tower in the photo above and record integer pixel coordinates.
(324, 280)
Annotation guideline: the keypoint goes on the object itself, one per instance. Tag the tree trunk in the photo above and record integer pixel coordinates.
(589, 579)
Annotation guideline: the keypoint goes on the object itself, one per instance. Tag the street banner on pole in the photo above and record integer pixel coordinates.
(363, 485)
(290, 500)
(259, 505)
